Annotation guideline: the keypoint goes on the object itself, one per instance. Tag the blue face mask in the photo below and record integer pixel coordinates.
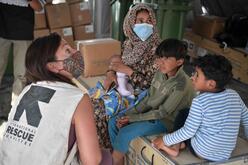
(143, 30)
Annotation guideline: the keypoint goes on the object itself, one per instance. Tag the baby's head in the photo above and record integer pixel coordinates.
(212, 73)
(115, 58)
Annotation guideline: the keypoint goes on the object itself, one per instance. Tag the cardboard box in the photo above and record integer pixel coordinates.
(40, 20)
(84, 32)
(40, 33)
(80, 13)
(96, 54)
(141, 151)
(58, 15)
(66, 33)
(208, 26)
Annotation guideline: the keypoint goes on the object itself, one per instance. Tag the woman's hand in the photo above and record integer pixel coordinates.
(123, 121)
(120, 67)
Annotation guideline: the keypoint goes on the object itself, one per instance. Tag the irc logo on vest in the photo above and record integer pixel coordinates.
(25, 132)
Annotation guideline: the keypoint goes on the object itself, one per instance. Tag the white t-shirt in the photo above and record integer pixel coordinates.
(37, 131)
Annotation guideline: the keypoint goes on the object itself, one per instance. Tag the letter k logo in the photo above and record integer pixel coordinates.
(29, 103)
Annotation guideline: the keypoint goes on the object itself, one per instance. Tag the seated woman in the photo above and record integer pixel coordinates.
(137, 59)
(50, 114)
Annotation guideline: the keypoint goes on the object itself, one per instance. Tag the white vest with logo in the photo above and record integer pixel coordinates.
(37, 131)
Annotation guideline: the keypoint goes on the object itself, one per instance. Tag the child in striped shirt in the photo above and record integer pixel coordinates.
(212, 124)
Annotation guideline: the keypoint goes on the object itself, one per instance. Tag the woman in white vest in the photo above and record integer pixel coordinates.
(51, 114)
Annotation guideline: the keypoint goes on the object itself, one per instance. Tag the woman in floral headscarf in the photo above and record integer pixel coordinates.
(139, 48)
(138, 59)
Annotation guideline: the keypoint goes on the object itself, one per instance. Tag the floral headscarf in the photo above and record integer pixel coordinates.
(133, 48)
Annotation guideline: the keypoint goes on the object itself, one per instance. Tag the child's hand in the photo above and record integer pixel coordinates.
(124, 120)
(158, 143)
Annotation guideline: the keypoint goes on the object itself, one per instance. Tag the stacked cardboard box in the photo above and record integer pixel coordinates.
(66, 33)
(59, 21)
(58, 15)
(81, 20)
(72, 20)
(208, 26)
(84, 32)
(40, 25)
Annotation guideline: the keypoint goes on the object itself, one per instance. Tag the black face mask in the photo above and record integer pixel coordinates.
(74, 64)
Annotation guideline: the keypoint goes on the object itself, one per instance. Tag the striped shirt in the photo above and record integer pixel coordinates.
(213, 124)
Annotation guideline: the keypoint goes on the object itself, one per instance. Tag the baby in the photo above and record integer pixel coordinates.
(124, 88)
(116, 93)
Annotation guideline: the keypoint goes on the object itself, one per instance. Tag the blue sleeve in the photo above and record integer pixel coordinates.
(190, 127)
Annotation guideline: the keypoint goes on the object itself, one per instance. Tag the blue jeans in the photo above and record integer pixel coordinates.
(120, 138)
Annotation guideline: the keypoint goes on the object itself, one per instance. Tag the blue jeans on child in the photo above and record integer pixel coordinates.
(120, 138)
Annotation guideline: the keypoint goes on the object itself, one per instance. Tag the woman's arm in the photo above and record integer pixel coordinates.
(142, 80)
(36, 5)
(120, 67)
(86, 134)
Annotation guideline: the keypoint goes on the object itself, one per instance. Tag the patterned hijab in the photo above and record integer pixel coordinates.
(133, 48)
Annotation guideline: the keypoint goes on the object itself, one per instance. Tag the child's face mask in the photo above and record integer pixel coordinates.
(74, 64)
(143, 30)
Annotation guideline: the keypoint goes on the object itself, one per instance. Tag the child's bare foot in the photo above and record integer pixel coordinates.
(172, 151)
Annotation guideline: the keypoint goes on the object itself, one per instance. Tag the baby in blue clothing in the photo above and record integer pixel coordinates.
(115, 103)
(116, 93)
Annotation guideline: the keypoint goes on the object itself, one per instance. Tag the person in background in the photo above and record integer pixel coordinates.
(138, 58)
(211, 128)
(171, 91)
(16, 27)
(50, 114)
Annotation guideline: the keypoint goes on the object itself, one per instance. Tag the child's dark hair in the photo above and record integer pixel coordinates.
(172, 48)
(215, 67)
